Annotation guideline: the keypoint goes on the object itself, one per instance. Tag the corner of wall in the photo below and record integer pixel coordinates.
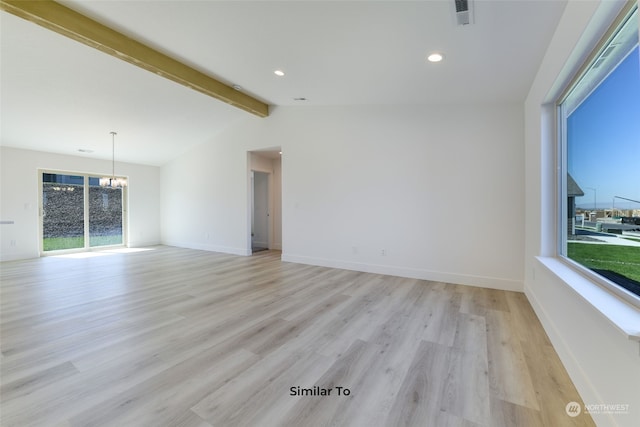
(601, 361)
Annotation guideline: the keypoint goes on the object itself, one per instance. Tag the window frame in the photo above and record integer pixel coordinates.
(629, 8)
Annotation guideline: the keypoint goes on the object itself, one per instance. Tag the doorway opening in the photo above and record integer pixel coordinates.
(265, 205)
(260, 214)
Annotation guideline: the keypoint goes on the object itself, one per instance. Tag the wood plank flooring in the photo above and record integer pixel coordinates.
(178, 337)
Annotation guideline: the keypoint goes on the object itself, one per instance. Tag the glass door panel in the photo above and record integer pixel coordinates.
(105, 214)
(62, 211)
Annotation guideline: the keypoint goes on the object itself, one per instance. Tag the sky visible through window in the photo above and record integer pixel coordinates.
(603, 140)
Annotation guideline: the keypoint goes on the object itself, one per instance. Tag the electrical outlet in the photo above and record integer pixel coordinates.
(12, 243)
(383, 252)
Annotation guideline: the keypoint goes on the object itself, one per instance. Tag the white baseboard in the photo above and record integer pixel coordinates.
(579, 377)
(143, 244)
(17, 256)
(412, 273)
(211, 248)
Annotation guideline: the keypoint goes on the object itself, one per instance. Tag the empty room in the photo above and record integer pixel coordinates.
(319, 213)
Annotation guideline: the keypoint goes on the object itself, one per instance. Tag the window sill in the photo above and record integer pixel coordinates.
(622, 315)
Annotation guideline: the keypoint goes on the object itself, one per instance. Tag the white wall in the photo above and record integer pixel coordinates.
(204, 199)
(19, 197)
(439, 189)
(602, 362)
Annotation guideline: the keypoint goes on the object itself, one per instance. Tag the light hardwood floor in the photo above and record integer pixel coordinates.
(177, 337)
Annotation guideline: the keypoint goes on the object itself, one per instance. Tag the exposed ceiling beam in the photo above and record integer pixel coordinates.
(70, 23)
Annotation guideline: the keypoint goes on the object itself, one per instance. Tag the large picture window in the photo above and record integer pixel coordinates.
(78, 213)
(599, 122)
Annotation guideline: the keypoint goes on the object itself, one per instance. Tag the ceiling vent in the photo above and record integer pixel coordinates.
(463, 10)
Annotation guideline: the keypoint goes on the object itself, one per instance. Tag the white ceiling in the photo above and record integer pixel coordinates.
(60, 96)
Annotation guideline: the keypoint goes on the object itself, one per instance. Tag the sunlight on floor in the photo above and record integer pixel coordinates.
(106, 252)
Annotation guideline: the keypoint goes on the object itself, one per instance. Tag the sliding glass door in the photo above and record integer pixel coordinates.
(62, 212)
(105, 214)
(77, 213)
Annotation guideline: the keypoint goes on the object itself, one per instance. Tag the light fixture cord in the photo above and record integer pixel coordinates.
(113, 156)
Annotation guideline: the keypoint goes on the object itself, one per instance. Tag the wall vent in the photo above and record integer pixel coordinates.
(463, 10)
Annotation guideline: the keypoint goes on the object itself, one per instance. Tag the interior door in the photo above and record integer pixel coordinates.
(260, 217)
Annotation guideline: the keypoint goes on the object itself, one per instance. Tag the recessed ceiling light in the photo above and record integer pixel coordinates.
(84, 150)
(300, 99)
(279, 73)
(237, 87)
(435, 57)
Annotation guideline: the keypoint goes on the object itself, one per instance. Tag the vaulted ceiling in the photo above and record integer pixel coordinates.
(60, 96)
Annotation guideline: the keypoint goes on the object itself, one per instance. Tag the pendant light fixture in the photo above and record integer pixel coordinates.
(112, 181)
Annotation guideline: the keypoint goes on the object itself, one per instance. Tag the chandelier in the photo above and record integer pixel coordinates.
(112, 181)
